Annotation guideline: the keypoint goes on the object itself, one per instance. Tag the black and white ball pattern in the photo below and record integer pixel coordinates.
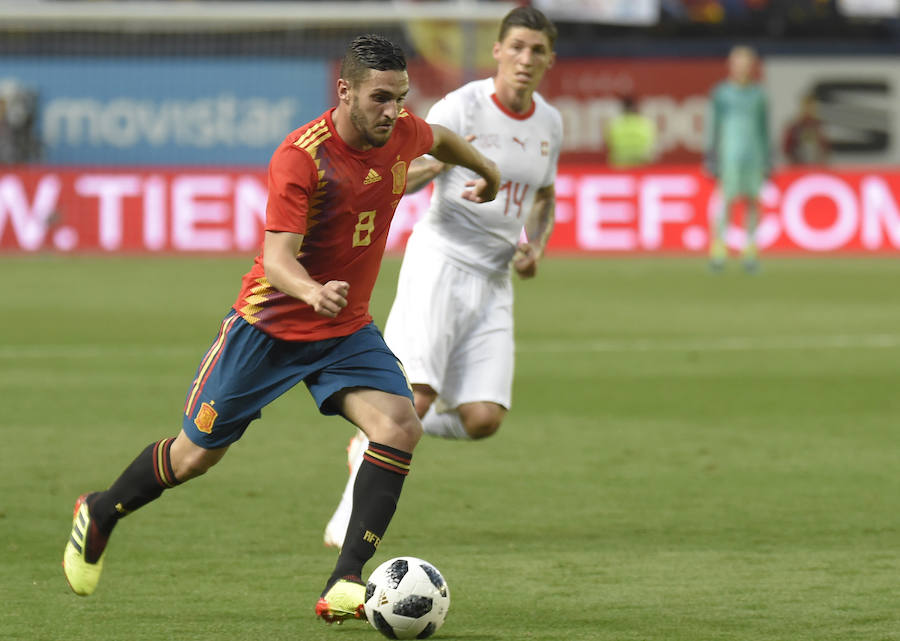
(407, 598)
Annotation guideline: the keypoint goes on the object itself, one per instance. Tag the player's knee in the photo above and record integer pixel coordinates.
(402, 431)
(411, 429)
(482, 420)
(423, 397)
(422, 405)
(482, 429)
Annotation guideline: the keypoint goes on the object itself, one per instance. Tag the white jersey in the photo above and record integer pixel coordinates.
(525, 148)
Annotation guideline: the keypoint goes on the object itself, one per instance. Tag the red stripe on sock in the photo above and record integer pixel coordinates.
(392, 455)
(393, 468)
(167, 464)
(155, 467)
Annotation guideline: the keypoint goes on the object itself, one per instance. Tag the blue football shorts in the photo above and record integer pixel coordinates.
(245, 369)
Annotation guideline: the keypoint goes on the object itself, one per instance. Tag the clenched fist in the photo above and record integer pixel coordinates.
(331, 298)
(524, 261)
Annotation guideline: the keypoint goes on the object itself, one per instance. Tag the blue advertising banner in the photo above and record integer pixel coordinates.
(167, 111)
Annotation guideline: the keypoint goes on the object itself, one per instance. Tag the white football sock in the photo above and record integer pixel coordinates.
(337, 525)
(446, 424)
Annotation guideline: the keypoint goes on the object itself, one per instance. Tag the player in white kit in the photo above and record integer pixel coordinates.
(451, 324)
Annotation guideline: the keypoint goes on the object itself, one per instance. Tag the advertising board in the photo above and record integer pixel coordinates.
(165, 111)
(598, 211)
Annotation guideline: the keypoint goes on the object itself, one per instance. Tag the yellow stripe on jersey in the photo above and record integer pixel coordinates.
(312, 146)
(258, 294)
(204, 366)
(313, 131)
(313, 137)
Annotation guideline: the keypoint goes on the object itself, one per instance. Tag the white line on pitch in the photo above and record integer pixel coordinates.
(95, 351)
(716, 344)
(574, 345)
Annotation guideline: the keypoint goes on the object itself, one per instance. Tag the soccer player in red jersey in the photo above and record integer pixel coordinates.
(303, 314)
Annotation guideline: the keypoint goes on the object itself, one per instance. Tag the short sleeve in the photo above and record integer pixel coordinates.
(292, 178)
(446, 112)
(555, 148)
(423, 135)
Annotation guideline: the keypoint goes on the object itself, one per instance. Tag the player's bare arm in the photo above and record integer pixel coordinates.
(424, 169)
(287, 275)
(538, 227)
(451, 148)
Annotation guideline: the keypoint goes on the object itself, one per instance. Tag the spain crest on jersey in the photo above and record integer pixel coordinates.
(398, 171)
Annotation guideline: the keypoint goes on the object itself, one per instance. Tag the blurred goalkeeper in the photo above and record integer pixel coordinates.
(737, 152)
(303, 314)
(451, 323)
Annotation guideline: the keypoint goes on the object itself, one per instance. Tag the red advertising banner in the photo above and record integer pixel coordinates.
(138, 210)
(598, 211)
(669, 209)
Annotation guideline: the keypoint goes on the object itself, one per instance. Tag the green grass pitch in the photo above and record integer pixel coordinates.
(690, 457)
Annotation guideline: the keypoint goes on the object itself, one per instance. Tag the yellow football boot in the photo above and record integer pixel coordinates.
(81, 574)
(343, 600)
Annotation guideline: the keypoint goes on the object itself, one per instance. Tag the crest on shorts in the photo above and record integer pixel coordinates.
(205, 418)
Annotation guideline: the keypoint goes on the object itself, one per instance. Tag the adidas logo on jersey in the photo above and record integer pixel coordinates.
(372, 177)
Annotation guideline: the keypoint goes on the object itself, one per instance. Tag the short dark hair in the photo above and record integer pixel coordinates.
(371, 51)
(530, 18)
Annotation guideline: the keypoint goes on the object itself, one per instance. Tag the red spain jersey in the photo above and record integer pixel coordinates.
(342, 200)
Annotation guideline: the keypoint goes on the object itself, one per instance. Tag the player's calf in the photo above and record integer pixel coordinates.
(190, 460)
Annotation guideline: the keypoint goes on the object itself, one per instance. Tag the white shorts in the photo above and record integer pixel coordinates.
(452, 328)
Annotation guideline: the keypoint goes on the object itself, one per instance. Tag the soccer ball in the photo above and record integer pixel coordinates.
(407, 598)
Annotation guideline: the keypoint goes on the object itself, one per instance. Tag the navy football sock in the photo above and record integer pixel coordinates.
(375, 494)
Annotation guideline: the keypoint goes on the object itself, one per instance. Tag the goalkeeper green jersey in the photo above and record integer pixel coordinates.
(737, 127)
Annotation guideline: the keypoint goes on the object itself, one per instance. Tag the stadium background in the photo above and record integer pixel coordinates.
(146, 127)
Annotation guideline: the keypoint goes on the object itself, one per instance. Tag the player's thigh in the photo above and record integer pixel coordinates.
(752, 181)
(242, 372)
(365, 382)
(741, 179)
(385, 418)
(482, 364)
